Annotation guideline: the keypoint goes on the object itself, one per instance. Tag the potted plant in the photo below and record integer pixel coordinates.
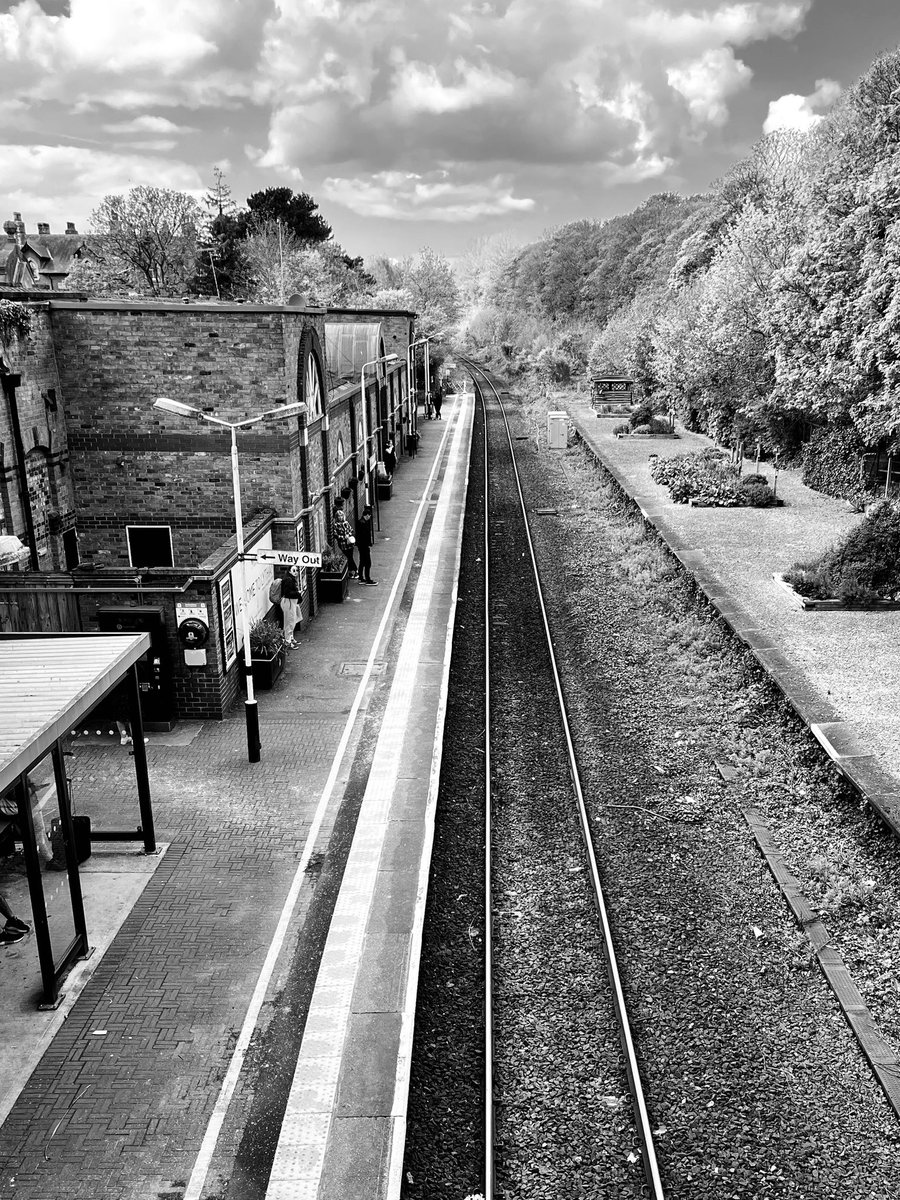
(267, 651)
(384, 481)
(333, 578)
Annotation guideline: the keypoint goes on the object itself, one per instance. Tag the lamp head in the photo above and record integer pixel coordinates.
(174, 406)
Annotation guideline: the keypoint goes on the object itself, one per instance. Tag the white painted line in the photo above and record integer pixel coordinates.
(220, 1110)
(360, 877)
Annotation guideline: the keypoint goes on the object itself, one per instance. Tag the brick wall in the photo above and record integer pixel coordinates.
(135, 465)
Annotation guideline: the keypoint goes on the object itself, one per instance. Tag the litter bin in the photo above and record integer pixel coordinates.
(558, 430)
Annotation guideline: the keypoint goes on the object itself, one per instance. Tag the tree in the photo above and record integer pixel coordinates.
(298, 214)
(145, 243)
(430, 282)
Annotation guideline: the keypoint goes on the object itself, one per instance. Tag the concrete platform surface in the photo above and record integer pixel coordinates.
(244, 1027)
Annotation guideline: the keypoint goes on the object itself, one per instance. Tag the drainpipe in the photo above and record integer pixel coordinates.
(10, 382)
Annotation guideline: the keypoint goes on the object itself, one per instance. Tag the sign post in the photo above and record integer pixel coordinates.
(286, 558)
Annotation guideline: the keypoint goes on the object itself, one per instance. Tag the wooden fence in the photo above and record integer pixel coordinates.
(29, 610)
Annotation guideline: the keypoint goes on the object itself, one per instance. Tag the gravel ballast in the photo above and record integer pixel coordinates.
(756, 1086)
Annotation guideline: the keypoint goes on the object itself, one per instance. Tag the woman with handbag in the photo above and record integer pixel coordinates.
(343, 534)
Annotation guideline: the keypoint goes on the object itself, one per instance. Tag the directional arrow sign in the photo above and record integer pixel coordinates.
(287, 558)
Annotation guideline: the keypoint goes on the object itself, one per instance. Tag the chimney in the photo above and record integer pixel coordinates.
(20, 228)
(10, 229)
(70, 227)
(43, 228)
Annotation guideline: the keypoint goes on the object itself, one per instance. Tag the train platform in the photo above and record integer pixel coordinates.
(839, 669)
(244, 1026)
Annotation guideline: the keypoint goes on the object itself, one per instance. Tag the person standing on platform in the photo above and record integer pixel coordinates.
(390, 457)
(290, 606)
(343, 534)
(364, 540)
(437, 400)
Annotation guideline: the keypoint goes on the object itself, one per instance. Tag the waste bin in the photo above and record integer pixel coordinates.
(558, 430)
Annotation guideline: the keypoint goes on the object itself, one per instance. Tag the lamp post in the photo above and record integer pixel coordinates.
(411, 370)
(251, 710)
(385, 358)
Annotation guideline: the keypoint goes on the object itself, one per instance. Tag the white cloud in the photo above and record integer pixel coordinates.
(799, 112)
(420, 89)
(707, 82)
(40, 172)
(149, 124)
(735, 24)
(403, 196)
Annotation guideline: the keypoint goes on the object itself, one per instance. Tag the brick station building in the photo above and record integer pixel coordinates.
(126, 512)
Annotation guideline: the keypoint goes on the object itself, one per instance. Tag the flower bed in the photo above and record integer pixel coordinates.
(860, 571)
(709, 479)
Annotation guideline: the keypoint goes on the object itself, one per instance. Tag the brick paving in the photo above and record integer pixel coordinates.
(119, 1102)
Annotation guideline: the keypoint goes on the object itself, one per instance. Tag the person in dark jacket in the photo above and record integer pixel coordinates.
(290, 605)
(364, 540)
(390, 458)
(437, 399)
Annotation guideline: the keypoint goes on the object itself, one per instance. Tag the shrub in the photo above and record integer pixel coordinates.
(706, 477)
(266, 638)
(623, 428)
(659, 424)
(863, 567)
(641, 429)
(756, 494)
(831, 460)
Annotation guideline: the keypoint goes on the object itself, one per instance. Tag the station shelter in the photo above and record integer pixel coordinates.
(48, 684)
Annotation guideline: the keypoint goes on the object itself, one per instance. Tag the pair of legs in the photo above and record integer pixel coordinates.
(290, 615)
(365, 564)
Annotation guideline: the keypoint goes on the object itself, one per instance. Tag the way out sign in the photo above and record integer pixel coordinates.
(287, 558)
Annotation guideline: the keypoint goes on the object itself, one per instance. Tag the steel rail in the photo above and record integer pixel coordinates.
(489, 1123)
(642, 1119)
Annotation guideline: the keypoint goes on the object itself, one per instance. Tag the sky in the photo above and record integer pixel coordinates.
(412, 123)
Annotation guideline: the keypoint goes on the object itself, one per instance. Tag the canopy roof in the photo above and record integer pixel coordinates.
(49, 682)
(348, 346)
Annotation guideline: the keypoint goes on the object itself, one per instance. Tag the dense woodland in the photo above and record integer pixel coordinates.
(766, 309)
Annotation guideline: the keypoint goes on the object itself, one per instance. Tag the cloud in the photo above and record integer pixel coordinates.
(404, 196)
(380, 98)
(799, 112)
(149, 125)
(154, 51)
(42, 171)
(706, 83)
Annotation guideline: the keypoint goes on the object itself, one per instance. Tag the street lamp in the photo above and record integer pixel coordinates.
(385, 358)
(411, 374)
(180, 409)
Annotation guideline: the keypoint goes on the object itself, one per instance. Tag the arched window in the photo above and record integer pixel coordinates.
(340, 451)
(310, 386)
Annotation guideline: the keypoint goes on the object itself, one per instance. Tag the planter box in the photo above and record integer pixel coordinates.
(385, 489)
(331, 587)
(267, 670)
(836, 605)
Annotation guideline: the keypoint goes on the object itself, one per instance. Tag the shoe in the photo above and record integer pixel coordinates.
(18, 926)
(125, 740)
(8, 935)
(372, 582)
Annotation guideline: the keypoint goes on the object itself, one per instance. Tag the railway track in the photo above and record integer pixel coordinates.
(542, 953)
